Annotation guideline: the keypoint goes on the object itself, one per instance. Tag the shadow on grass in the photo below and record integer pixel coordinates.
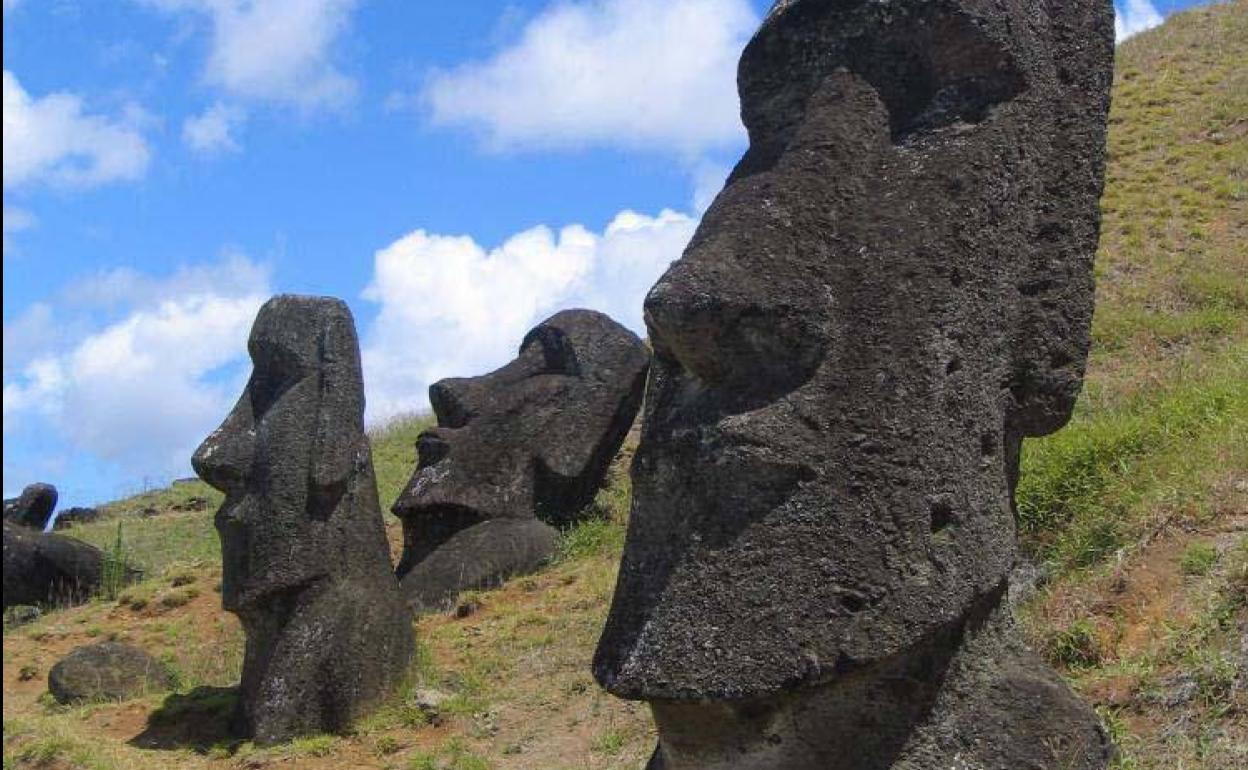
(201, 720)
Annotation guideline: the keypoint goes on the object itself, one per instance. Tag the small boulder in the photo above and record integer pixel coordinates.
(33, 508)
(193, 503)
(21, 614)
(106, 671)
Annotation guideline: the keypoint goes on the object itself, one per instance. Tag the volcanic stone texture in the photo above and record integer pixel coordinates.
(516, 453)
(50, 569)
(306, 565)
(106, 671)
(33, 508)
(893, 289)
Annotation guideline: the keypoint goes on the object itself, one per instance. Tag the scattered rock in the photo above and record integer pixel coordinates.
(21, 614)
(429, 702)
(71, 517)
(1178, 689)
(47, 568)
(27, 674)
(516, 453)
(1026, 579)
(33, 508)
(195, 503)
(106, 671)
(306, 564)
(893, 289)
(465, 608)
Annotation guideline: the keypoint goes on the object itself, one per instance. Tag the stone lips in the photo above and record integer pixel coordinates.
(528, 443)
(306, 564)
(893, 288)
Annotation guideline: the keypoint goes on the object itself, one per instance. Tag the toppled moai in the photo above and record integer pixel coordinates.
(33, 508)
(893, 289)
(306, 565)
(72, 517)
(51, 569)
(516, 453)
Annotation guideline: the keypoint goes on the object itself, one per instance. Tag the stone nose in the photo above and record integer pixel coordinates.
(224, 459)
(450, 401)
(759, 343)
(432, 447)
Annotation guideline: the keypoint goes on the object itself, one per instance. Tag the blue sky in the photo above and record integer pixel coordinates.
(455, 171)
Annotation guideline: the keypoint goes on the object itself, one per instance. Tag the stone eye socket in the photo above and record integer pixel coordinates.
(552, 351)
(932, 66)
(935, 73)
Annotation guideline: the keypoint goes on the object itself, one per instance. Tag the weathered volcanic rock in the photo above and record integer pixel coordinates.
(306, 564)
(46, 568)
(893, 289)
(33, 508)
(516, 453)
(106, 671)
(71, 517)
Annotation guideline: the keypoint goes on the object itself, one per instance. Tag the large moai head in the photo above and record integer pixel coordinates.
(531, 441)
(892, 290)
(290, 452)
(305, 560)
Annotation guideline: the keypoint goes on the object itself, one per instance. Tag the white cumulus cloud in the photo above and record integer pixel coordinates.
(142, 390)
(274, 50)
(213, 131)
(449, 307)
(1133, 17)
(639, 74)
(51, 139)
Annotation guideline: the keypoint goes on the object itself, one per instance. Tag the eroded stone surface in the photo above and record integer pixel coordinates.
(72, 517)
(106, 671)
(893, 289)
(50, 569)
(306, 565)
(33, 508)
(516, 453)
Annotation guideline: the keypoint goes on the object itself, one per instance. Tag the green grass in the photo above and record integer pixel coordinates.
(1198, 559)
(394, 454)
(1086, 490)
(163, 542)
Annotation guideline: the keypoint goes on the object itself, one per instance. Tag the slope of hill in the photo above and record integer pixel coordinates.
(1136, 516)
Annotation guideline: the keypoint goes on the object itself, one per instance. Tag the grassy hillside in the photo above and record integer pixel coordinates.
(1137, 514)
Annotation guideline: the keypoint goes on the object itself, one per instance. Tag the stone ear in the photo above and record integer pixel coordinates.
(340, 402)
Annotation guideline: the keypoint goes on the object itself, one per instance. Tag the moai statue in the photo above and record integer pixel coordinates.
(49, 568)
(306, 564)
(517, 452)
(893, 289)
(33, 508)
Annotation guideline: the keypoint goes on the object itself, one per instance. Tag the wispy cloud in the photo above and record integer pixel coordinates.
(641, 74)
(139, 391)
(1134, 17)
(475, 305)
(53, 140)
(214, 131)
(274, 50)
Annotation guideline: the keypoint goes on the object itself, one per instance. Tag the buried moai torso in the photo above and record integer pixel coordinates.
(892, 290)
(515, 453)
(305, 561)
